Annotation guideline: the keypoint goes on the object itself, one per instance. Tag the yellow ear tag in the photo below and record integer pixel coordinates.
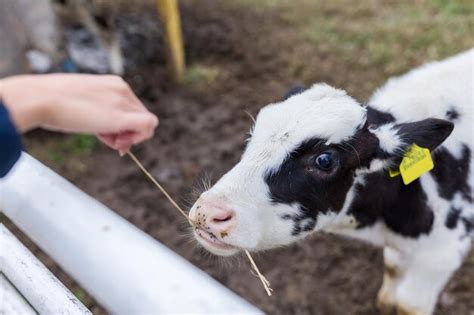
(393, 172)
(415, 162)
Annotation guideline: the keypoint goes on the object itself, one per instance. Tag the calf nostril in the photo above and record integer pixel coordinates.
(225, 219)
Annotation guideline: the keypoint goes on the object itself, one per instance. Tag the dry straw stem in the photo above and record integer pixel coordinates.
(265, 282)
(140, 165)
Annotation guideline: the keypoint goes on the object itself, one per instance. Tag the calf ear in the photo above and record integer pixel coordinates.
(428, 133)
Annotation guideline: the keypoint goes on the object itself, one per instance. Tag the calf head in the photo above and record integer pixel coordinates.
(298, 170)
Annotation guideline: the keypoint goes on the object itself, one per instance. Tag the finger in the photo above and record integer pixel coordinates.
(137, 122)
(124, 141)
(108, 139)
(140, 137)
(124, 137)
(124, 150)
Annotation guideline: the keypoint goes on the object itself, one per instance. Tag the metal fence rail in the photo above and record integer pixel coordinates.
(124, 269)
(37, 285)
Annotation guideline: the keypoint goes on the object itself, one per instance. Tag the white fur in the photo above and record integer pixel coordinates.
(321, 111)
(429, 92)
(390, 142)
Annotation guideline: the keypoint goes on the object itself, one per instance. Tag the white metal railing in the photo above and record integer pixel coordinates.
(11, 301)
(124, 269)
(23, 272)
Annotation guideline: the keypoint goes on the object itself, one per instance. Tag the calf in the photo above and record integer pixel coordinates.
(319, 161)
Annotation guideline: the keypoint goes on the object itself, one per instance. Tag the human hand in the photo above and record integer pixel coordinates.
(103, 105)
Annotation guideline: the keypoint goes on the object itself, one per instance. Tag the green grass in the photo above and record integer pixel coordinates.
(454, 8)
(198, 74)
(79, 144)
(72, 145)
(390, 36)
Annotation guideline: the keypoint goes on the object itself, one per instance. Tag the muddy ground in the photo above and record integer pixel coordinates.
(241, 58)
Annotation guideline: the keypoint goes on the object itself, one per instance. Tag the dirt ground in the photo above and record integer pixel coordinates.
(241, 57)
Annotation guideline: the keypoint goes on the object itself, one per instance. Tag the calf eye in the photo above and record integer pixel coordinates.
(324, 161)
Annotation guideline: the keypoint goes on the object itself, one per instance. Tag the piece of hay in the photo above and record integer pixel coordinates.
(265, 282)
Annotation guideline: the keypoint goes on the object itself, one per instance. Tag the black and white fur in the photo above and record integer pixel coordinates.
(279, 194)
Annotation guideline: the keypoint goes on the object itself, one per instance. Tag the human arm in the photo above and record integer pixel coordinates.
(103, 105)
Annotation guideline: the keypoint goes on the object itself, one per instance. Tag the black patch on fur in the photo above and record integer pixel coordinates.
(451, 174)
(302, 222)
(452, 114)
(452, 218)
(468, 224)
(402, 208)
(292, 184)
(376, 118)
(297, 89)
(317, 191)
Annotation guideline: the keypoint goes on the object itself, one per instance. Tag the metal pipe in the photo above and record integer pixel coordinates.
(124, 269)
(35, 283)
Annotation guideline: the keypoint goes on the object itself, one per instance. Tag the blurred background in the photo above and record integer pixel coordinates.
(240, 55)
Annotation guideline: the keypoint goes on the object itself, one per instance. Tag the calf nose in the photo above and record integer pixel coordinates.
(213, 218)
(220, 219)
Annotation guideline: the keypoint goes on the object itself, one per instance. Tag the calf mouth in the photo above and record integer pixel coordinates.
(214, 245)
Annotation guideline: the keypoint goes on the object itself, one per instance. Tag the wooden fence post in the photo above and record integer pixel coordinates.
(169, 13)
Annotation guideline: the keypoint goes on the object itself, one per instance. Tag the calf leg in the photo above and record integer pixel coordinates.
(427, 272)
(386, 298)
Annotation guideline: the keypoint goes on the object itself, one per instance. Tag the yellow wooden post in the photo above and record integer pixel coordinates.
(169, 13)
